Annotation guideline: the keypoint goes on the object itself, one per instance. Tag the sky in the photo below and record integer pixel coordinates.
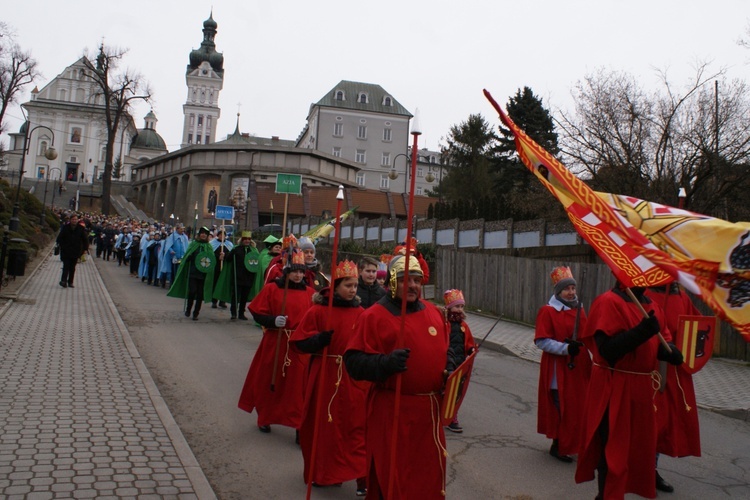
(435, 55)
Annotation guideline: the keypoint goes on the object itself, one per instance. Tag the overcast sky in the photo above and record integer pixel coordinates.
(435, 55)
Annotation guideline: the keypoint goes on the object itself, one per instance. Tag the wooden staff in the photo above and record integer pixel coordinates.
(404, 285)
(290, 253)
(324, 355)
(645, 315)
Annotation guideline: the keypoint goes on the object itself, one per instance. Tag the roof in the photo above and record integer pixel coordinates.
(375, 98)
(147, 138)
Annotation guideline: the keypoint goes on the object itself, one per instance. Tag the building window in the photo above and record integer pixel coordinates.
(385, 181)
(192, 121)
(103, 153)
(75, 135)
(338, 130)
(387, 135)
(387, 101)
(360, 178)
(361, 156)
(385, 160)
(198, 139)
(420, 172)
(362, 132)
(208, 123)
(42, 148)
(62, 95)
(362, 98)
(208, 139)
(336, 152)
(418, 191)
(41, 170)
(190, 138)
(200, 120)
(340, 96)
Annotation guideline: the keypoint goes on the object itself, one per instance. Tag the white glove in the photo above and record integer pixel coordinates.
(280, 321)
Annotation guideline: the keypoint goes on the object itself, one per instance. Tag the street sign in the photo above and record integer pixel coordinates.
(224, 212)
(289, 183)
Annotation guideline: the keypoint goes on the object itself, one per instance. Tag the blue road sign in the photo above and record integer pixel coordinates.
(224, 212)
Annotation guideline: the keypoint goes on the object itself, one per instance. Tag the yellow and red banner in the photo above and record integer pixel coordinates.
(648, 244)
(455, 389)
(695, 340)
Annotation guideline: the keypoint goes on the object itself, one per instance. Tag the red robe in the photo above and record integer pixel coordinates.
(630, 398)
(564, 425)
(420, 457)
(678, 427)
(283, 406)
(340, 454)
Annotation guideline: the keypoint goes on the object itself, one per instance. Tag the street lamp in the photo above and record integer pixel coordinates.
(14, 224)
(681, 195)
(59, 176)
(393, 174)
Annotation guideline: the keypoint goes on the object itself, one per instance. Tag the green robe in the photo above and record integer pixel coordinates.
(260, 278)
(223, 289)
(179, 288)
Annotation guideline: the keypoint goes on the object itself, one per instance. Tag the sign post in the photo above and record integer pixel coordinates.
(287, 184)
(223, 212)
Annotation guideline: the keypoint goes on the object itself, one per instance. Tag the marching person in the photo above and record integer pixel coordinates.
(238, 275)
(274, 386)
(73, 242)
(313, 274)
(677, 418)
(271, 250)
(221, 247)
(134, 256)
(153, 251)
(195, 276)
(619, 432)
(379, 352)
(368, 290)
(461, 340)
(340, 453)
(174, 249)
(565, 368)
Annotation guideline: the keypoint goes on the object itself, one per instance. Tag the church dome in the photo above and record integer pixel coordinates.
(210, 23)
(147, 138)
(207, 51)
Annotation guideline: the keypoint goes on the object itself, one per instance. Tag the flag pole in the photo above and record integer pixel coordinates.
(324, 355)
(645, 315)
(416, 132)
(290, 252)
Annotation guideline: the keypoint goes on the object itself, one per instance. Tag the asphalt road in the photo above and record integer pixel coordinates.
(200, 366)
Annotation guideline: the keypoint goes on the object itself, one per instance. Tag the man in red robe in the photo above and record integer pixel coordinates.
(278, 312)
(565, 368)
(381, 353)
(619, 440)
(677, 418)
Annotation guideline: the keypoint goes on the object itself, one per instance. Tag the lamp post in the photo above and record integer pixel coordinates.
(53, 191)
(14, 224)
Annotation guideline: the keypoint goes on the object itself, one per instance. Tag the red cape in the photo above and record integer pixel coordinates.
(284, 405)
(627, 395)
(340, 454)
(420, 459)
(564, 425)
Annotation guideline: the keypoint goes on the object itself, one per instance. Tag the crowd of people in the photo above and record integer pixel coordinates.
(340, 352)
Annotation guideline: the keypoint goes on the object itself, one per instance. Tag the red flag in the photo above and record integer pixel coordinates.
(647, 244)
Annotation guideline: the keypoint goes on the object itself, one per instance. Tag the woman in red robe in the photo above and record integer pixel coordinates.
(562, 390)
(278, 312)
(340, 446)
(377, 353)
(619, 438)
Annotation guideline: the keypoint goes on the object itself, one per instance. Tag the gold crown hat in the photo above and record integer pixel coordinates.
(345, 269)
(562, 277)
(246, 234)
(396, 270)
(453, 297)
(296, 262)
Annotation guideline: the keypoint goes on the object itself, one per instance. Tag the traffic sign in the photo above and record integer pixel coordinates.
(224, 212)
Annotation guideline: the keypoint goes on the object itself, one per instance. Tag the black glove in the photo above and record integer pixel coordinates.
(324, 337)
(395, 362)
(574, 347)
(648, 327)
(673, 358)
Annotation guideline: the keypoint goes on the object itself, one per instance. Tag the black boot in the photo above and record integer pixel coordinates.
(662, 485)
(554, 453)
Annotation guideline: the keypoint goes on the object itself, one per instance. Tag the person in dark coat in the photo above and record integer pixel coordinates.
(369, 290)
(73, 242)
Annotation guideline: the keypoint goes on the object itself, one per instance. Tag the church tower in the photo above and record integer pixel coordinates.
(205, 79)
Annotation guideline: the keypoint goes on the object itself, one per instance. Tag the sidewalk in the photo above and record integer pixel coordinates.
(722, 385)
(80, 416)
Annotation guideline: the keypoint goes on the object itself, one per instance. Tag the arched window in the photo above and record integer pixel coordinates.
(43, 145)
(340, 95)
(362, 98)
(80, 95)
(387, 102)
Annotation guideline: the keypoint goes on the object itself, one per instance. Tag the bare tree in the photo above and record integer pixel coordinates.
(649, 144)
(117, 92)
(17, 69)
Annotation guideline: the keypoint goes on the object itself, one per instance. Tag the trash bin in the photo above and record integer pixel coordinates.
(16, 261)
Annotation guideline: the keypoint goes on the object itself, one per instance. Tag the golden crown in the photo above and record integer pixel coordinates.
(560, 273)
(345, 269)
(450, 297)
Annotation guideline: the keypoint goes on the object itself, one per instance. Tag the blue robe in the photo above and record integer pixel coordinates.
(143, 266)
(179, 244)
